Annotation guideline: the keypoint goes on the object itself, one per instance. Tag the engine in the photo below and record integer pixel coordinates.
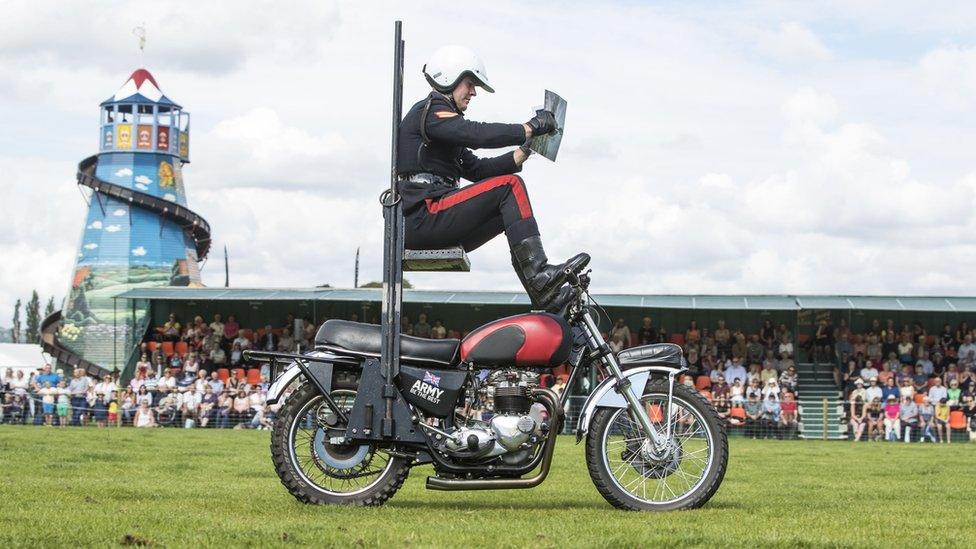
(513, 431)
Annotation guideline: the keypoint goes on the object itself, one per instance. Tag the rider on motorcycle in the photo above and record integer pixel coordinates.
(433, 153)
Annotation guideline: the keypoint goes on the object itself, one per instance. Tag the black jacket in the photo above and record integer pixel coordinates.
(447, 153)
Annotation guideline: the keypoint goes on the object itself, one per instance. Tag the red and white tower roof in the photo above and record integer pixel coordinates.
(141, 87)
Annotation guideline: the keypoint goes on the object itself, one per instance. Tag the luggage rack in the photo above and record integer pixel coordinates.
(447, 259)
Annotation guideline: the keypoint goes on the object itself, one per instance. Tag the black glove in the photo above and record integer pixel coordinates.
(543, 123)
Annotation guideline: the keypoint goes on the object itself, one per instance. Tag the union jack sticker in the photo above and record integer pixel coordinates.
(432, 379)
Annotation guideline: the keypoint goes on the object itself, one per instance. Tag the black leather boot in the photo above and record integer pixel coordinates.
(541, 280)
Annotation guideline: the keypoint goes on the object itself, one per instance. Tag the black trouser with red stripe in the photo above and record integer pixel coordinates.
(473, 215)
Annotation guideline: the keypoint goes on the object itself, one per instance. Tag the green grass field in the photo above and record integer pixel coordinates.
(174, 488)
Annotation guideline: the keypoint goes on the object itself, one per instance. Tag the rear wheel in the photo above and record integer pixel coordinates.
(684, 476)
(316, 470)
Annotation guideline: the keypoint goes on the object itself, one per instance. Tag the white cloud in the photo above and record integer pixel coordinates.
(120, 212)
(95, 225)
(169, 196)
(949, 74)
(141, 187)
(793, 42)
(143, 179)
(113, 228)
(123, 172)
(90, 246)
(139, 251)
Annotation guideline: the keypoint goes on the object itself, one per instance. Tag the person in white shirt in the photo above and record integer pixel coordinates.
(106, 387)
(168, 381)
(938, 392)
(869, 371)
(191, 402)
(873, 391)
(736, 371)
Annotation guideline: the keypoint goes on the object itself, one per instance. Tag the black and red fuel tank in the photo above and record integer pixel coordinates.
(531, 339)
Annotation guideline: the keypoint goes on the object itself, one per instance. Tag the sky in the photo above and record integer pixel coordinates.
(726, 147)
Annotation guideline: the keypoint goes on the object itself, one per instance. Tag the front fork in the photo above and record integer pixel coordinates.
(603, 353)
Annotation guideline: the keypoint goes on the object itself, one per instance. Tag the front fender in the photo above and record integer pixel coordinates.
(606, 396)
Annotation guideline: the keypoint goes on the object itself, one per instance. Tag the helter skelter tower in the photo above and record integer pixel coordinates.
(138, 231)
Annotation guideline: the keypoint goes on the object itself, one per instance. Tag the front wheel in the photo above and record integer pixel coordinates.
(688, 473)
(317, 471)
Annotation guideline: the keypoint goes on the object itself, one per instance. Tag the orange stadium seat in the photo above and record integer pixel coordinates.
(152, 346)
(957, 420)
(239, 373)
(253, 376)
(678, 339)
(919, 398)
(182, 348)
(248, 333)
(223, 374)
(168, 348)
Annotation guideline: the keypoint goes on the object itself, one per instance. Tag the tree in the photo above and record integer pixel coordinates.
(49, 309)
(15, 326)
(33, 318)
(376, 284)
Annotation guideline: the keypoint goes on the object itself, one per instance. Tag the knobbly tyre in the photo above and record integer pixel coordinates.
(651, 443)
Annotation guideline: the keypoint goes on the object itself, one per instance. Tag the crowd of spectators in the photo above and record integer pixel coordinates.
(187, 398)
(903, 383)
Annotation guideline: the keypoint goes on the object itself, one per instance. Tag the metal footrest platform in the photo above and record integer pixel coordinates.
(448, 259)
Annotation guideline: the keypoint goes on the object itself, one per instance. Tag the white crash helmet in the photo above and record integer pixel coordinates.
(450, 64)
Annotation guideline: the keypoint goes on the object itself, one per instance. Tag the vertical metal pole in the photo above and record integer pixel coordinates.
(392, 252)
(825, 425)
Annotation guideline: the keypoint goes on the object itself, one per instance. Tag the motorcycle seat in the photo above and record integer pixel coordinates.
(656, 354)
(360, 339)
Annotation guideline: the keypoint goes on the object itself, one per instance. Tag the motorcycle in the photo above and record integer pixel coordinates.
(652, 443)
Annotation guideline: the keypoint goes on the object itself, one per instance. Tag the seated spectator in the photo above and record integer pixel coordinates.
(770, 362)
(890, 390)
(771, 389)
(185, 381)
(767, 334)
(908, 417)
(231, 330)
(737, 393)
(421, 328)
(869, 372)
(171, 329)
(906, 390)
(286, 344)
(236, 355)
(646, 334)
(771, 416)
(954, 394)
(875, 415)
(873, 391)
(620, 336)
(754, 411)
(785, 347)
(755, 388)
(167, 408)
(720, 389)
(754, 350)
(920, 381)
(144, 364)
(406, 327)
(225, 404)
(175, 362)
(241, 411)
(942, 420)
(721, 408)
(218, 359)
(201, 382)
(143, 396)
(190, 405)
(926, 421)
(208, 405)
(892, 415)
(886, 372)
(858, 415)
(789, 418)
(267, 342)
(692, 334)
(216, 384)
(937, 392)
(739, 348)
(723, 339)
(192, 362)
(768, 373)
(753, 374)
(144, 416)
(438, 331)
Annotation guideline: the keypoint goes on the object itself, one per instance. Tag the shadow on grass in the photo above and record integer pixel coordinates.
(528, 504)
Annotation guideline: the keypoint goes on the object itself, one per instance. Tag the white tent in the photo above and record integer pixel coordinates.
(21, 356)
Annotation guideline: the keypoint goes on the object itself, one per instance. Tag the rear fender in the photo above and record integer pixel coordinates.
(321, 376)
(606, 396)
